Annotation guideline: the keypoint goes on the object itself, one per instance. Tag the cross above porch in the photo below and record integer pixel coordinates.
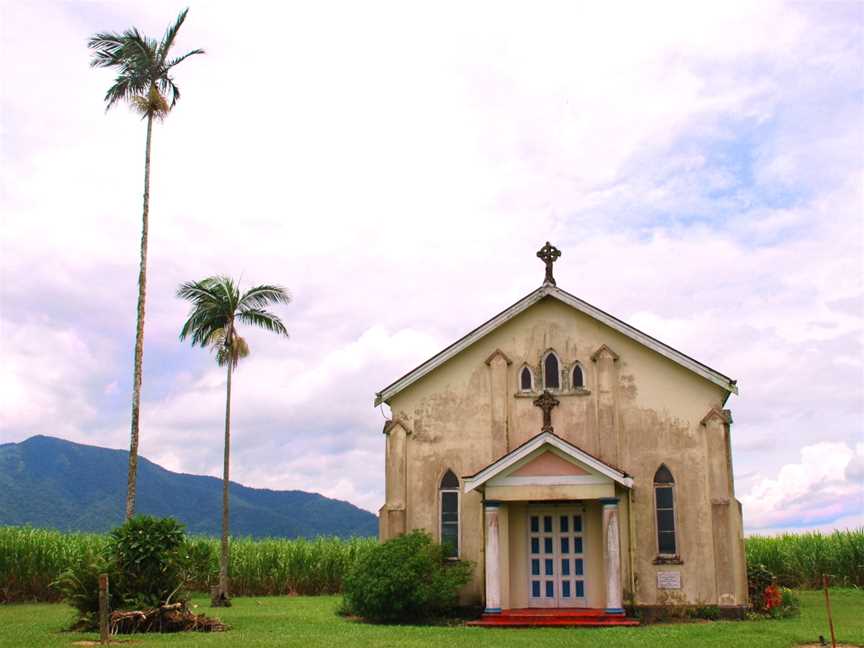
(546, 402)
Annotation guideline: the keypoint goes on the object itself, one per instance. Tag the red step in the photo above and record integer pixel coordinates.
(548, 618)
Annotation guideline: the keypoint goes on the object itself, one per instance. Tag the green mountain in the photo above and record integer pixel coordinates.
(50, 482)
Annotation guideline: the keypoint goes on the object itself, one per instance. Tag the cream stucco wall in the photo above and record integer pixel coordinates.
(637, 411)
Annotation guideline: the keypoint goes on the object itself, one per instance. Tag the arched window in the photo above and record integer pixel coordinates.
(526, 380)
(449, 505)
(551, 374)
(664, 498)
(578, 381)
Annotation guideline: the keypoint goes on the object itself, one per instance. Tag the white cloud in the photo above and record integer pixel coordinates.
(396, 167)
(820, 489)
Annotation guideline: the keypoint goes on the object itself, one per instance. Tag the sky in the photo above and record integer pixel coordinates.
(396, 166)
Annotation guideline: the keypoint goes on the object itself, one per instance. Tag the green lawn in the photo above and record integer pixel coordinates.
(311, 622)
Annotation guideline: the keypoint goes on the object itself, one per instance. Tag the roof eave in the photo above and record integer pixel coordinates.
(459, 345)
(563, 296)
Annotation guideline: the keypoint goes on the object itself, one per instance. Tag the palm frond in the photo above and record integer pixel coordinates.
(264, 295)
(124, 88)
(106, 47)
(169, 88)
(262, 319)
(139, 51)
(170, 35)
(209, 310)
(198, 292)
(170, 64)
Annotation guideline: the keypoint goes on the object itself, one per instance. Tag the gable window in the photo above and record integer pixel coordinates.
(578, 377)
(526, 380)
(551, 374)
(449, 506)
(664, 499)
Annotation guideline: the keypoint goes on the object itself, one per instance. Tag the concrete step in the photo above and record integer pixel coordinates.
(553, 617)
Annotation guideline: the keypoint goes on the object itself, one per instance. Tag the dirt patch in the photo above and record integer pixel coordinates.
(819, 645)
(112, 642)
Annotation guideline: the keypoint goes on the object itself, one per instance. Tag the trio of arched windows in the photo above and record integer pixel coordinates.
(664, 501)
(551, 375)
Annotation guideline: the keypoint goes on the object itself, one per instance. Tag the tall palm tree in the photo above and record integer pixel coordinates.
(143, 80)
(217, 309)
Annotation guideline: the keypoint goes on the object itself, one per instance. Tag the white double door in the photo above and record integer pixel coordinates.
(556, 558)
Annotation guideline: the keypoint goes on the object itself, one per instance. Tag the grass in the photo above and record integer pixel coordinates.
(311, 622)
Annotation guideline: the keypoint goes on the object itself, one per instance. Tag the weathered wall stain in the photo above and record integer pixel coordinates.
(637, 410)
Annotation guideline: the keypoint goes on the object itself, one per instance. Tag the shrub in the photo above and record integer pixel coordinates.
(150, 558)
(147, 560)
(405, 579)
(759, 579)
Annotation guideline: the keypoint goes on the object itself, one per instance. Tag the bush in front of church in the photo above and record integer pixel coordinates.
(407, 578)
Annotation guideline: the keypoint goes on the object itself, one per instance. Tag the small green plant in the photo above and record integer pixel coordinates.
(405, 579)
(707, 612)
(79, 587)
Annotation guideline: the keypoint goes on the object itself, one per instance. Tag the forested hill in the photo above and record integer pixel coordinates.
(50, 482)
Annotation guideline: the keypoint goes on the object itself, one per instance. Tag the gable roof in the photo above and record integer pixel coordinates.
(550, 290)
(545, 438)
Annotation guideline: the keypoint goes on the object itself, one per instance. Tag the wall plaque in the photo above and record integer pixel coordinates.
(668, 580)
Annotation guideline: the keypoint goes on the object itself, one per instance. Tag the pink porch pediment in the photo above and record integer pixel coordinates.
(548, 464)
(547, 459)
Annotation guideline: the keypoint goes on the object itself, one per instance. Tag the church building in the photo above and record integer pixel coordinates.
(575, 460)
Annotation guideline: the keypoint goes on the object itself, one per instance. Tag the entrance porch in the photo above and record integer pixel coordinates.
(553, 555)
(555, 538)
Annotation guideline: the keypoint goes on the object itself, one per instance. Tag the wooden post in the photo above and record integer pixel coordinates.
(828, 607)
(103, 609)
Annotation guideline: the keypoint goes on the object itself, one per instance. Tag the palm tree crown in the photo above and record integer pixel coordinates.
(218, 306)
(144, 78)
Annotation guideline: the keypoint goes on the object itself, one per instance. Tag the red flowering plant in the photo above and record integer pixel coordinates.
(772, 597)
(767, 598)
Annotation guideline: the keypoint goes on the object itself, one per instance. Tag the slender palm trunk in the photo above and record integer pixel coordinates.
(223, 557)
(139, 333)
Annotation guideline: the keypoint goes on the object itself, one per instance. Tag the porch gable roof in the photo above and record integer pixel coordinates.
(551, 439)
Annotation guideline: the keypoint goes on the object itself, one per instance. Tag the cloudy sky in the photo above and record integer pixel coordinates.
(700, 166)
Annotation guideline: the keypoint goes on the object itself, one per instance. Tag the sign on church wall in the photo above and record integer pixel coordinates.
(668, 580)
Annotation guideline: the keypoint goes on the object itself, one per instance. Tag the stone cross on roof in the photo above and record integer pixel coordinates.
(548, 254)
(546, 402)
